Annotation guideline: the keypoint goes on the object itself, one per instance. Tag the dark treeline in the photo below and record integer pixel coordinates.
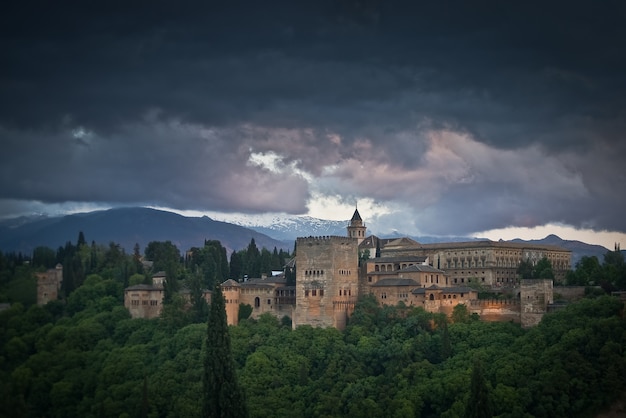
(199, 267)
(97, 362)
(610, 274)
(83, 356)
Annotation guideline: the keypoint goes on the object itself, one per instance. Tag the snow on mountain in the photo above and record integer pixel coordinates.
(285, 227)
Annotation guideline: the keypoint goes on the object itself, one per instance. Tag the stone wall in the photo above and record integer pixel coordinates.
(503, 310)
(570, 293)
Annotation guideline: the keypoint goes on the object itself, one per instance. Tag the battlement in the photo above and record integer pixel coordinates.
(325, 239)
(494, 302)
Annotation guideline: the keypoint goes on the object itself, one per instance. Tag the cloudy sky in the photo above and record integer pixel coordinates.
(488, 118)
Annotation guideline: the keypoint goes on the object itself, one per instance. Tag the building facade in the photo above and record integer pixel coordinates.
(489, 263)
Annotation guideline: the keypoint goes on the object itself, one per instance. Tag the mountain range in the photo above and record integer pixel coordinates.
(127, 227)
(130, 226)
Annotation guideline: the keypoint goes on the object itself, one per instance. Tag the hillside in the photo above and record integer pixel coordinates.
(578, 248)
(128, 226)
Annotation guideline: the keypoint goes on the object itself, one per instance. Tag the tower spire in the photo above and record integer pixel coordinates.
(357, 228)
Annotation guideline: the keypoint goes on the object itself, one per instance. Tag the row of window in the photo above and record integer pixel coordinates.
(469, 279)
(144, 302)
(320, 292)
(391, 267)
(342, 272)
(383, 295)
(461, 264)
(314, 292)
(462, 252)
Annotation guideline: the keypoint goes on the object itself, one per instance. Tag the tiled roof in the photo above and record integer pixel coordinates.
(400, 259)
(256, 285)
(273, 279)
(403, 242)
(422, 268)
(456, 289)
(230, 282)
(143, 287)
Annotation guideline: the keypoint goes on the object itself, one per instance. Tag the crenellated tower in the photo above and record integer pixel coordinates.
(326, 281)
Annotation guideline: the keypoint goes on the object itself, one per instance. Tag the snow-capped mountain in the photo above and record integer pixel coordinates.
(286, 227)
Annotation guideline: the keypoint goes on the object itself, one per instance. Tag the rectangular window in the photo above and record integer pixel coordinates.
(314, 292)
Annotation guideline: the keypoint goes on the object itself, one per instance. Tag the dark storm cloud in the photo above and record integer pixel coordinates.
(167, 104)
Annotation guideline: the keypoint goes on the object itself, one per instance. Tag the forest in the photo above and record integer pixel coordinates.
(83, 356)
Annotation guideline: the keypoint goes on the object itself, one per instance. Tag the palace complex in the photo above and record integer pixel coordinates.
(332, 272)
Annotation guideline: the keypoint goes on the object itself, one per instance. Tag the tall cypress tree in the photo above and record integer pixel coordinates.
(222, 395)
(478, 405)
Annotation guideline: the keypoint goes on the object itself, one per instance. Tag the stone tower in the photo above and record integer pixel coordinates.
(535, 296)
(357, 229)
(49, 284)
(230, 290)
(326, 281)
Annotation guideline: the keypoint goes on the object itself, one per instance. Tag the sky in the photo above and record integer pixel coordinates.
(440, 118)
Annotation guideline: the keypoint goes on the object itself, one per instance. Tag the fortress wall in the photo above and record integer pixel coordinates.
(502, 310)
(570, 293)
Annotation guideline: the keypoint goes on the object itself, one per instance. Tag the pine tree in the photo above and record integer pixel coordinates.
(222, 394)
(81, 240)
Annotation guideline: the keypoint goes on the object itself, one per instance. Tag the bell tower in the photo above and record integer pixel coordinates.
(356, 229)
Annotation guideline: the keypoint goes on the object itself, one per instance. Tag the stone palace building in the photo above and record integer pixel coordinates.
(332, 272)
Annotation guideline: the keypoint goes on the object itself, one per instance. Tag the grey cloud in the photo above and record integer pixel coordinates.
(173, 165)
(278, 76)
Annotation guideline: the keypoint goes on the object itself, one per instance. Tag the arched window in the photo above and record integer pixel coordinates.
(431, 297)
(257, 302)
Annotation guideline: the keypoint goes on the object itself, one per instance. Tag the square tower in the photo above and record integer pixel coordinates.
(326, 281)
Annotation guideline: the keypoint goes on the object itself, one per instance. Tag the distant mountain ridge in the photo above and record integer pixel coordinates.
(128, 226)
(288, 228)
(578, 248)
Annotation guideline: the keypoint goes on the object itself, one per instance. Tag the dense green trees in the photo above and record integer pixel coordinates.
(611, 274)
(96, 361)
(253, 263)
(85, 357)
(540, 270)
(210, 263)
